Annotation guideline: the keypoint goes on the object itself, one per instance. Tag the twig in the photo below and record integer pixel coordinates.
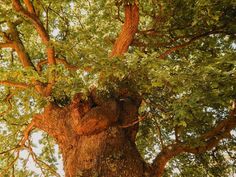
(9, 150)
(38, 161)
(10, 165)
(9, 107)
(59, 60)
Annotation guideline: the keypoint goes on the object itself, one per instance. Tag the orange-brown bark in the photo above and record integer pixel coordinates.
(29, 6)
(90, 139)
(18, 46)
(14, 84)
(6, 45)
(128, 31)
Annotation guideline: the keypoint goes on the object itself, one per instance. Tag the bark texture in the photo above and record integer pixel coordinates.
(128, 31)
(91, 139)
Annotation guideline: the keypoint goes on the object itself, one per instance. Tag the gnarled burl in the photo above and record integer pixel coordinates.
(90, 137)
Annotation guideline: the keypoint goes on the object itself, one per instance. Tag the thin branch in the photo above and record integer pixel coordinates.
(59, 60)
(10, 165)
(9, 107)
(9, 150)
(33, 155)
(38, 161)
(4, 36)
(17, 149)
(160, 135)
(26, 133)
(118, 12)
(15, 84)
(132, 123)
(28, 147)
(189, 42)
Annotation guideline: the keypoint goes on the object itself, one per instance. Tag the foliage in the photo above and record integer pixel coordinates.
(182, 63)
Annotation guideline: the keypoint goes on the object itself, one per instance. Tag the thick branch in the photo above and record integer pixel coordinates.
(29, 6)
(19, 47)
(16, 44)
(128, 31)
(210, 140)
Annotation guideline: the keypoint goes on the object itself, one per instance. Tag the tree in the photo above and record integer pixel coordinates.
(125, 88)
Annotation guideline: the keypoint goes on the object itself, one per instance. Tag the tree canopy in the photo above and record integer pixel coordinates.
(180, 60)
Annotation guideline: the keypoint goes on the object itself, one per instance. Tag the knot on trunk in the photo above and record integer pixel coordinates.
(88, 120)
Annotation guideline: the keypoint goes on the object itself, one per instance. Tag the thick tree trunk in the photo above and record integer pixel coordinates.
(108, 153)
(92, 140)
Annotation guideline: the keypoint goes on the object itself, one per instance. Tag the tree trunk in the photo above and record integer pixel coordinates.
(108, 153)
(92, 140)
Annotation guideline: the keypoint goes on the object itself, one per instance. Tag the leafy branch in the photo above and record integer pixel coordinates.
(209, 140)
(31, 15)
(34, 19)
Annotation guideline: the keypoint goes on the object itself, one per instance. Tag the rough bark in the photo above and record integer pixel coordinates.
(91, 139)
(128, 31)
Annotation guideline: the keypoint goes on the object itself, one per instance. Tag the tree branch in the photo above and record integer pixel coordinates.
(5, 37)
(38, 161)
(11, 164)
(6, 45)
(29, 6)
(18, 46)
(19, 147)
(128, 31)
(58, 60)
(37, 24)
(132, 123)
(209, 140)
(189, 42)
(31, 16)
(26, 133)
(9, 107)
(15, 84)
